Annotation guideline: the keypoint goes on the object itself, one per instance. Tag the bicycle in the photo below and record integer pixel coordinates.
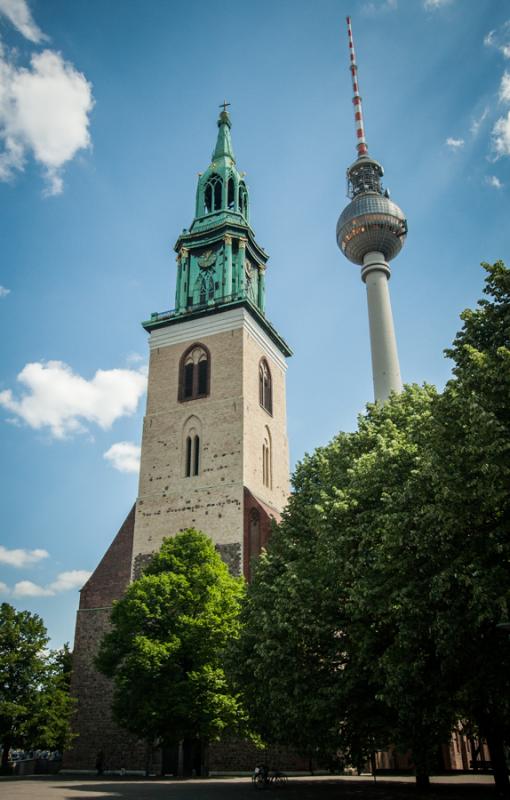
(263, 777)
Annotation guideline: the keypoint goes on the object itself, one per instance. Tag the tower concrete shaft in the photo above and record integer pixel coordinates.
(383, 344)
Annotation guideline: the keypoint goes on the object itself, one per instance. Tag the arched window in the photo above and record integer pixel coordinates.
(191, 447)
(243, 198)
(195, 373)
(253, 538)
(230, 194)
(213, 194)
(267, 460)
(265, 387)
(204, 288)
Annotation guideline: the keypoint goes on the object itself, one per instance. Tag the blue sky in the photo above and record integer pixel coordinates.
(107, 113)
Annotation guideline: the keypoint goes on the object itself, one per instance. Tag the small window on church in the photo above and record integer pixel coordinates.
(265, 387)
(242, 198)
(230, 194)
(188, 456)
(195, 373)
(213, 194)
(196, 455)
(192, 456)
(208, 198)
(217, 195)
(191, 447)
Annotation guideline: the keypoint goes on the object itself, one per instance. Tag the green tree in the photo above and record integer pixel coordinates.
(34, 699)
(165, 650)
(49, 725)
(469, 473)
(336, 601)
(383, 588)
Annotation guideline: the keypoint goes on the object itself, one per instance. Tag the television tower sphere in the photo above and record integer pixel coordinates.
(371, 222)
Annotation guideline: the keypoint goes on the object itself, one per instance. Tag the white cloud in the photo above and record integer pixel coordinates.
(18, 12)
(501, 136)
(455, 144)
(59, 399)
(21, 557)
(124, 456)
(433, 4)
(73, 579)
(134, 358)
(4, 292)
(488, 39)
(499, 39)
(477, 123)
(504, 88)
(30, 589)
(65, 581)
(493, 180)
(372, 8)
(44, 111)
(4, 589)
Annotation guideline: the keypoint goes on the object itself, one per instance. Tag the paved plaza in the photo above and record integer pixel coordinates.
(320, 788)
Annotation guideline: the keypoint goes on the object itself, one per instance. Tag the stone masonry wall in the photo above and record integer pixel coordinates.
(93, 692)
(211, 501)
(258, 423)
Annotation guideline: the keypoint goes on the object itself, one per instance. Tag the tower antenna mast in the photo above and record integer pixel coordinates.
(361, 142)
(370, 232)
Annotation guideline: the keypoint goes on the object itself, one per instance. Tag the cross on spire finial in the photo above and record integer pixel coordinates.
(224, 106)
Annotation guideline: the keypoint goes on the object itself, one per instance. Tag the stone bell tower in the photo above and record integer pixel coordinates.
(214, 443)
(214, 446)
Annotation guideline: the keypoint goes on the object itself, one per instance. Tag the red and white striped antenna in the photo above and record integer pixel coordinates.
(361, 144)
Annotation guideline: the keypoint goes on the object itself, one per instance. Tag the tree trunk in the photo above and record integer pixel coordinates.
(180, 760)
(422, 781)
(204, 758)
(4, 769)
(498, 761)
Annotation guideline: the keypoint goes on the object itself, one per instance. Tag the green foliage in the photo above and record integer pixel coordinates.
(165, 649)
(34, 686)
(372, 618)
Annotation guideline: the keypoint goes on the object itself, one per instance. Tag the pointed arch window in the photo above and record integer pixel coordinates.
(267, 460)
(204, 289)
(195, 373)
(213, 194)
(230, 194)
(243, 199)
(192, 447)
(265, 387)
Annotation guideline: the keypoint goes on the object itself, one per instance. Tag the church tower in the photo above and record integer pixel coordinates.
(214, 444)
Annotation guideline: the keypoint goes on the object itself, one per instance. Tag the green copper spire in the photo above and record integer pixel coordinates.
(220, 265)
(223, 147)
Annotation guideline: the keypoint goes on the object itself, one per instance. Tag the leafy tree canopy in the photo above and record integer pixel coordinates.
(34, 685)
(372, 618)
(165, 649)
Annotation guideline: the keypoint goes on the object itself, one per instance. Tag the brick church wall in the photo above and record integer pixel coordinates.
(93, 691)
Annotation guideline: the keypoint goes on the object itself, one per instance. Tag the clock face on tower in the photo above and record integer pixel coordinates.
(207, 259)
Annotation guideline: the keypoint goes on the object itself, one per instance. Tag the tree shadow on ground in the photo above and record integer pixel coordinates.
(297, 789)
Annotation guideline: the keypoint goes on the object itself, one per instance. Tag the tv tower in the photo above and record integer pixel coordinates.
(370, 232)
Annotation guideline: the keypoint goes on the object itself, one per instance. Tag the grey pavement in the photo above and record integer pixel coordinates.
(322, 788)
